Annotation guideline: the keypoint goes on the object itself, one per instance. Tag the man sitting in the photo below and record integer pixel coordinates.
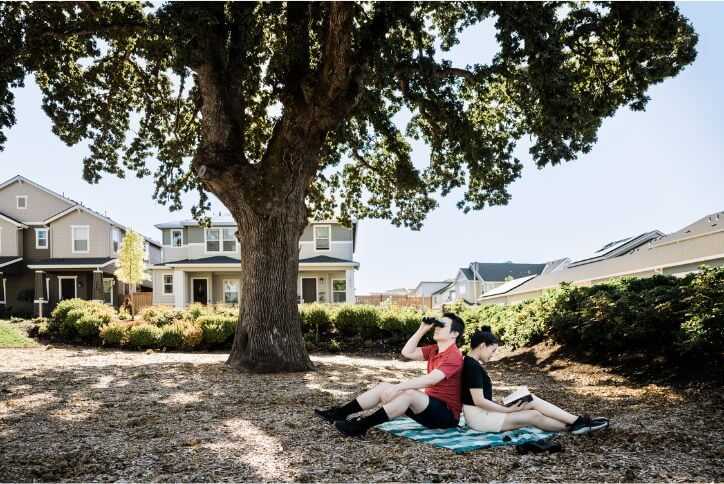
(437, 407)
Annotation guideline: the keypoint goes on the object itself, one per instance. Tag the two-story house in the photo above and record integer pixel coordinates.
(203, 264)
(57, 248)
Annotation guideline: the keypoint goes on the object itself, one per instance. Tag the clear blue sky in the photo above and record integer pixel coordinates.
(660, 169)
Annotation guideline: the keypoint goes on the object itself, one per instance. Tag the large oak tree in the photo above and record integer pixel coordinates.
(283, 110)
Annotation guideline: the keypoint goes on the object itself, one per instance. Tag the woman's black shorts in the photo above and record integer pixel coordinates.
(435, 416)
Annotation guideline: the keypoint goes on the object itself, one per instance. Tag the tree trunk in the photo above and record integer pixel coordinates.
(269, 335)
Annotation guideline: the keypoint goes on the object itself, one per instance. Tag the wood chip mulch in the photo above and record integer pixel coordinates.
(76, 414)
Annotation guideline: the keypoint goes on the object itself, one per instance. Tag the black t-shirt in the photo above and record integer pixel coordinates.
(475, 376)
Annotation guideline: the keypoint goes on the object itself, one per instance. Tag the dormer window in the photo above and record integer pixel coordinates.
(212, 240)
(116, 237)
(321, 237)
(21, 202)
(41, 238)
(177, 237)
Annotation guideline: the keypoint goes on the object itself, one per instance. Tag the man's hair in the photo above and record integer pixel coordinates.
(458, 325)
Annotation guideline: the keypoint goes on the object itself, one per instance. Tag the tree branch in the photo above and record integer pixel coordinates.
(417, 100)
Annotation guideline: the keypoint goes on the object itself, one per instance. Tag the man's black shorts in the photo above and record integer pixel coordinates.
(435, 416)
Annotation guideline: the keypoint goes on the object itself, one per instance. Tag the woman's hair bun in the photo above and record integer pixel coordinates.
(486, 329)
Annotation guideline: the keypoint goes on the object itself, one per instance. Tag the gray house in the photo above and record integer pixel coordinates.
(203, 264)
(57, 248)
(480, 277)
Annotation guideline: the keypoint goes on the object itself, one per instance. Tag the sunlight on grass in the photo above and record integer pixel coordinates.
(10, 336)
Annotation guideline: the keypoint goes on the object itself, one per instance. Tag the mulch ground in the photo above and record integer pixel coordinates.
(81, 414)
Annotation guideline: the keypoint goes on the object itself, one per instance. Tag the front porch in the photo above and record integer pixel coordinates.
(219, 282)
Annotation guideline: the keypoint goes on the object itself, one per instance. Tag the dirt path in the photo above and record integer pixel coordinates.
(82, 414)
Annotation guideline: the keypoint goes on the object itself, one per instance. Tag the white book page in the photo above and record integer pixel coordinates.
(519, 393)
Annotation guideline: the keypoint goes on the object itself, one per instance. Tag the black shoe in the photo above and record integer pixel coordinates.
(351, 428)
(330, 415)
(587, 424)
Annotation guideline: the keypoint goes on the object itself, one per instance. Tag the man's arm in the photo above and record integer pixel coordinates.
(411, 349)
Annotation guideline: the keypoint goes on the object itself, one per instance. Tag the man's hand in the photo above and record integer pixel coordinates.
(425, 327)
(389, 394)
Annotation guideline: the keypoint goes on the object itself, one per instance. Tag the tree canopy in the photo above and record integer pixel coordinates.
(189, 91)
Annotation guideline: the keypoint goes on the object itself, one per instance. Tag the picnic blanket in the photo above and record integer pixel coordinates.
(461, 439)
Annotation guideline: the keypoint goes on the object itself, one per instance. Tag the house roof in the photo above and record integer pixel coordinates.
(705, 225)
(325, 259)
(79, 262)
(87, 210)
(467, 273)
(20, 178)
(9, 260)
(508, 286)
(443, 289)
(500, 271)
(217, 259)
(618, 247)
(698, 249)
(8, 218)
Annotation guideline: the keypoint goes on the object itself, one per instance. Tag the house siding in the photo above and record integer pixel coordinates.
(342, 250)
(61, 236)
(9, 240)
(158, 296)
(195, 235)
(41, 205)
(29, 250)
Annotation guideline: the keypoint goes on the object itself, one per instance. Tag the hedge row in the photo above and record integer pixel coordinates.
(662, 315)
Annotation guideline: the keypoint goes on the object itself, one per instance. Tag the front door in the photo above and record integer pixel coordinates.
(200, 294)
(67, 288)
(309, 289)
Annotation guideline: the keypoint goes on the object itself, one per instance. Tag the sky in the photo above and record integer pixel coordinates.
(659, 169)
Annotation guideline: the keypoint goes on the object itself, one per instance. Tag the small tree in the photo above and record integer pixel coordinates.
(130, 268)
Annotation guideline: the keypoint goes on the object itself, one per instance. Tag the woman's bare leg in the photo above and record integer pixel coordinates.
(524, 418)
(550, 410)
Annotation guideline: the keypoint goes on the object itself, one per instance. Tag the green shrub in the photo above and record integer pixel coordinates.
(316, 318)
(360, 320)
(172, 336)
(399, 323)
(144, 336)
(702, 332)
(89, 325)
(115, 333)
(161, 314)
(195, 310)
(217, 329)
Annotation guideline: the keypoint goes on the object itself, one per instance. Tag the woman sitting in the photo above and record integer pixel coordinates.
(484, 415)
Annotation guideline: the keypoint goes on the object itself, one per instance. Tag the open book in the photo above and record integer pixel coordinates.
(522, 394)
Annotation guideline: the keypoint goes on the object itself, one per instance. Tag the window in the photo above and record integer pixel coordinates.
(212, 240)
(146, 250)
(21, 201)
(229, 240)
(168, 283)
(41, 238)
(80, 238)
(177, 237)
(231, 291)
(321, 237)
(108, 291)
(462, 289)
(116, 237)
(339, 290)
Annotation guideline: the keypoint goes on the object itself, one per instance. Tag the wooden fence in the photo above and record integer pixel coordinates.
(141, 300)
(396, 300)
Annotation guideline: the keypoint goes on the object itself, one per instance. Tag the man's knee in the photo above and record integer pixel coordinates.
(384, 385)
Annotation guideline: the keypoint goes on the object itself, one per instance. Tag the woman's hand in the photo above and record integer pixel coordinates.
(389, 394)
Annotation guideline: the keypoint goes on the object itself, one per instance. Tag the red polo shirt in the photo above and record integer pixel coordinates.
(450, 362)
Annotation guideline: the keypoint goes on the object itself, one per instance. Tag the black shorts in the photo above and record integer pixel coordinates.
(435, 416)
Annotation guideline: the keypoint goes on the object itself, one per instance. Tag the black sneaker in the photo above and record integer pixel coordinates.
(330, 415)
(351, 428)
(587, 424)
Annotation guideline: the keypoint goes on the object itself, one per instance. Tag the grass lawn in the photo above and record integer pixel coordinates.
(12, 336)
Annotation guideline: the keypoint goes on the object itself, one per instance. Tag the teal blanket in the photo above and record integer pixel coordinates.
(462, 439)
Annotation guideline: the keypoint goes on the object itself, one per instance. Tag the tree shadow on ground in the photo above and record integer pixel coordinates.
(111, 415)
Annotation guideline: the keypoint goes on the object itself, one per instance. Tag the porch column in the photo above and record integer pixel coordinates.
(4, 289)
(40, 293)
(97, 294)
(349, 277)
(179, 288)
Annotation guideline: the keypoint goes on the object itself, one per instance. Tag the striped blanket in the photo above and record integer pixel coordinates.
(461, 439)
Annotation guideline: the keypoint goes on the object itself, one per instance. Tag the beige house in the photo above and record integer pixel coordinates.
(203, 264)
(677, 254)
(57, 248)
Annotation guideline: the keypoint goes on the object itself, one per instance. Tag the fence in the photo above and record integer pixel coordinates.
(396, 300)
(140, 300)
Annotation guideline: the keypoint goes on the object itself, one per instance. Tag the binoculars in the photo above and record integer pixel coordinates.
(433, 321)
